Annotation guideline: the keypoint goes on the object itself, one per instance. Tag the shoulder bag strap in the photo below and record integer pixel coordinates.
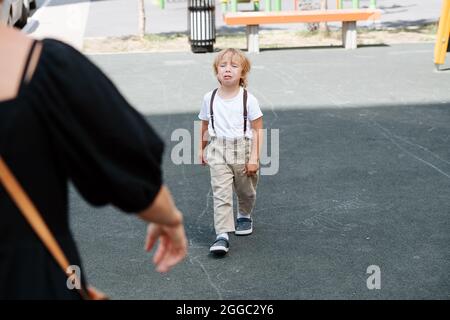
(33, 217)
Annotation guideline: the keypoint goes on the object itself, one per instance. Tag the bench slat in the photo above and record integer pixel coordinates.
(261, 17)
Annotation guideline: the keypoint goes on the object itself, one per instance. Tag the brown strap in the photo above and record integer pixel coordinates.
(33, 217)
(211, 112)
(245, 111)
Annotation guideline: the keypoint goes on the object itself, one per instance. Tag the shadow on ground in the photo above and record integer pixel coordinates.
(355, 187)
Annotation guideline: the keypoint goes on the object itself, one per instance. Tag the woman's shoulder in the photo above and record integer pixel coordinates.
(59, 52)
(57, 45)
(67, 63)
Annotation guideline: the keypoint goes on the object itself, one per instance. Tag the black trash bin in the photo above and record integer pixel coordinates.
(201, 25)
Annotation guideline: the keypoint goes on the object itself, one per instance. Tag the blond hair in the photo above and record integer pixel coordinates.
(240, 57)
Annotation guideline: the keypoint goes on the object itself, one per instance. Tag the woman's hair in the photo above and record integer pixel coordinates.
(238, 56)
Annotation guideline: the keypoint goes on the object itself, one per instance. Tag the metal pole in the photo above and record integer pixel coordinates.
(443, 34)
(277, 5)
(233, 6)
(256, 5)
(355, 4)
(268, 5)
(224, 5)
(339, 4)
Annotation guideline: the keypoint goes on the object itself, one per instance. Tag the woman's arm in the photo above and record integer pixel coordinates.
(162, 210)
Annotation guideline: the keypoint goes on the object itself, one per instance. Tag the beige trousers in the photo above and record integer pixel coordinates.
(226, 160)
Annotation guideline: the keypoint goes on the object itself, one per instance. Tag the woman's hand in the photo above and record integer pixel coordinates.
(172, 246)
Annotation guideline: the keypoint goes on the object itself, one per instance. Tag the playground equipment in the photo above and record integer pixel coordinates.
(355, 4)
(443, 35)
(232, 5)
(348, 17)
(160, 3)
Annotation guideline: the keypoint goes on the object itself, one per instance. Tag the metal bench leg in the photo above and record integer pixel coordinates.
(349, 34)
(252, 39)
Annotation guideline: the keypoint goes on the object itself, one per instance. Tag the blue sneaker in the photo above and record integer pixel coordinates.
(244, 226)
(220, 246)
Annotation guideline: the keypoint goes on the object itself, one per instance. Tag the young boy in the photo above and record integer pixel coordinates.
(232, 118)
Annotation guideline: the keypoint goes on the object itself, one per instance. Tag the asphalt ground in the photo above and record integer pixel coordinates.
(363, 180)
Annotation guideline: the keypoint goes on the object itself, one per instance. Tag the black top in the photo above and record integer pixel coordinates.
(69, 122)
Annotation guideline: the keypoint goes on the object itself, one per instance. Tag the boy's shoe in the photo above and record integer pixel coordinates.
(244, 226)
(220, 246)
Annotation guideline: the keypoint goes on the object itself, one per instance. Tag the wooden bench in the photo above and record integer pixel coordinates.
(348, 17)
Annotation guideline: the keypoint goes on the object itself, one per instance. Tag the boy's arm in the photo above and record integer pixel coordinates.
(203, 136)
(257, 126)
(203, 140)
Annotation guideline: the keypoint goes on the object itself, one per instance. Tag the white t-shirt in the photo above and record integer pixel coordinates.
(229, 115)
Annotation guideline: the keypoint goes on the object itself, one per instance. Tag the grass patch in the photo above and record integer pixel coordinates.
(267, 39)
(423, 29)
(163, 37)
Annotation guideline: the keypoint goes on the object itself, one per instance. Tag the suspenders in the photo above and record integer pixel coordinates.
(211, 112)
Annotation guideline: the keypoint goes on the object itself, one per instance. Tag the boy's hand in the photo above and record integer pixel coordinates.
(202, 158)
(251, 169)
